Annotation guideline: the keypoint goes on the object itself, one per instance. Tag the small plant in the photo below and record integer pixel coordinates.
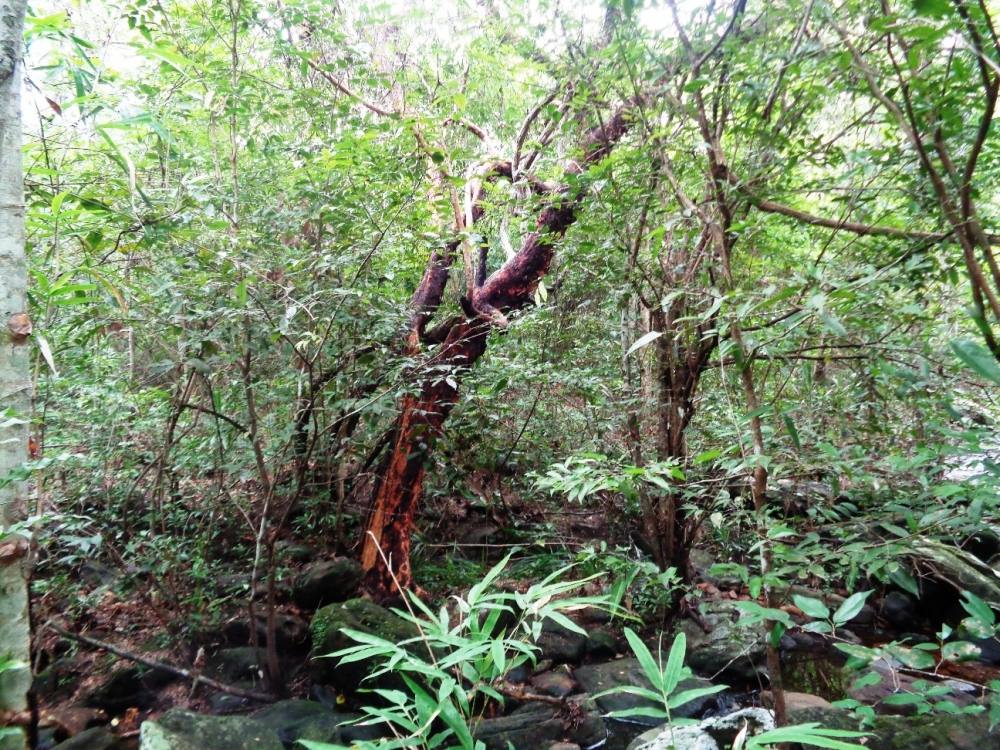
(823, 620)
(639, 586)
(667, 677)
(459, 662)
(583, 476)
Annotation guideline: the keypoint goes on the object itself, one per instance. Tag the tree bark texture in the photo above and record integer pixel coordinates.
(15, 382)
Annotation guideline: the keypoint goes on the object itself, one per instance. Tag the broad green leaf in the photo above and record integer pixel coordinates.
(644, 340)
(675, 663)
(851, 607)
(686, 696)
(645, 658)
(812, 607)
(978, 359)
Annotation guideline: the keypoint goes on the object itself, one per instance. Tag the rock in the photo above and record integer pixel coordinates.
(58, 680)
(46, 739)
(865, 617)
(797, 497)
(291, 633)
(899, 609)
(555, 683)
(227, 703)
(178, 729)
(989, 650)
(293, 720)
(243, 665)
(327, 582)
(96, 738)
(537, 725)
(327, 637)
(96, 573)
(729, 647)
(229, 584)
(955, 567)
(602, 643)
(560, 644)
(795, 701)
(703, 561)
(714, 733)
(72, 720)
(596, 678)
(133, 687)
(294, 551)
(926, 732)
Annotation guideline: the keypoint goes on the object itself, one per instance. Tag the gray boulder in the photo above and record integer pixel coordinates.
(243, 665)
(538, 725)
(729, 646)
(293, 720)
(954, 567)
(95, 738)
(327, 582)
(560, 644)
(184, 730)
(131, 687)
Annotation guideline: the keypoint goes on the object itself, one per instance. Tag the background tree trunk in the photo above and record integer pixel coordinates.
(15, 382)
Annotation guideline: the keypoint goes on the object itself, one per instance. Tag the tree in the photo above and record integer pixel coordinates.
(462, 341)
(15, 385)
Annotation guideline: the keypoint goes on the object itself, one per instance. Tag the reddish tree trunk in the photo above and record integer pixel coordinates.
(422, 415)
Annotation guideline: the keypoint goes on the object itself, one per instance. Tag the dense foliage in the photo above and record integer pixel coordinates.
(779, 274)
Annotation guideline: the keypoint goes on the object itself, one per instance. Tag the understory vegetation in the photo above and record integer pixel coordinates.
(511, 374)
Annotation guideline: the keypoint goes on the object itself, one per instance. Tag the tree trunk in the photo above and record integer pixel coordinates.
(420, 420)
(679, 370)
(15, 384)
(462, 342)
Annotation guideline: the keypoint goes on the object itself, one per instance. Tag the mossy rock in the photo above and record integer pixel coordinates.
(938, 732)
(327, 582)
(598, 678)
(293, 720)
(184, 730)
(327, 628)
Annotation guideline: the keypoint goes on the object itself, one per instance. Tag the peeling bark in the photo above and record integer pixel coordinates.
(422, 414)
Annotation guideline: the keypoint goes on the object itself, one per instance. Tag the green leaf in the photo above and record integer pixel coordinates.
(806, 734)
(978, 609)
(793, 433)
(977, 358)
(645, 659)
(686, 696)
(832, 324)
(851, 607)
(812, 607)
(675, 663)
(644, 340)
(625, 713)
(932, 8)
